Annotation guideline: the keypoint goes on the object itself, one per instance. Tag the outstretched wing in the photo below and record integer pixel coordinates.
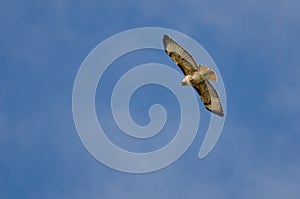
(180, 56)
(210, 97)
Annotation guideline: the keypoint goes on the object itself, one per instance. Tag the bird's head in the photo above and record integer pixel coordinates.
(186, 81)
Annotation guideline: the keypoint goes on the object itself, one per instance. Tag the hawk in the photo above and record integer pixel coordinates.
(197, 76)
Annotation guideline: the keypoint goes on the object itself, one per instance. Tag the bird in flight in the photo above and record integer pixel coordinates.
(197, 76)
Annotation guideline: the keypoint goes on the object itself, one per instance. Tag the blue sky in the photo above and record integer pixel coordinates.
(255, 45)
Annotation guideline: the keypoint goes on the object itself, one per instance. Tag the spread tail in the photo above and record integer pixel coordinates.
(208, 73)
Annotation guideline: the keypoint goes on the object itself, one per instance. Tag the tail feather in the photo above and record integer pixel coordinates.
(208, 73)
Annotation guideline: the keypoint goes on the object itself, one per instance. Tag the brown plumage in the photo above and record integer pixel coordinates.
(196, 76)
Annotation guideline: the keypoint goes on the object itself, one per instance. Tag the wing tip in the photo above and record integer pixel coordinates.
(219, 113)
(166, 37)
(166, 40)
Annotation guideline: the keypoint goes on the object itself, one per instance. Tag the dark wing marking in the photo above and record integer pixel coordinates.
(180, 56)
(210, 97)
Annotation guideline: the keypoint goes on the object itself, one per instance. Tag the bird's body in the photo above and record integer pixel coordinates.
(197, 76)
(193, 79)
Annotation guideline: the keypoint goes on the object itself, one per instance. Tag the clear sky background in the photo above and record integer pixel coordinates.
(255, 45)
